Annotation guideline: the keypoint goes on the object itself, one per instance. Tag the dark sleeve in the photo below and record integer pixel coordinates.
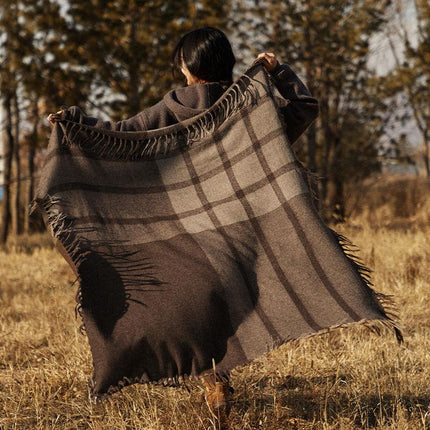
(299, 108)
(135, 123)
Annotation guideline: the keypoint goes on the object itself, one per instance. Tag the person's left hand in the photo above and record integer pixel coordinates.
(56, 117)
(269, 60)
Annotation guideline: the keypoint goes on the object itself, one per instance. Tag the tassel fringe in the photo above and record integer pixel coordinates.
(129, 146)
(384, 302)
(62, 229)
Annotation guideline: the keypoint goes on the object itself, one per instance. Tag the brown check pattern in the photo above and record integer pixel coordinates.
(213, 253)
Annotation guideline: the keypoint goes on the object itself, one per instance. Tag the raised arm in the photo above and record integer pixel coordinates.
(299, 108)
(74, 113)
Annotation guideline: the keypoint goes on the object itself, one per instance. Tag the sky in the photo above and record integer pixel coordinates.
(382, 58)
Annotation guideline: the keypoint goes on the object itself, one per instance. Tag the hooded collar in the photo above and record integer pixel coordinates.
(192, 100)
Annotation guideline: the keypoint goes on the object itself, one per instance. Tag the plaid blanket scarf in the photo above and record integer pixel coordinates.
(197, 244)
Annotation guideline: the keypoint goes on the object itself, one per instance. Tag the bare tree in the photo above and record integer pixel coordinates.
(7, 164)
(328, 42)
(412, 74)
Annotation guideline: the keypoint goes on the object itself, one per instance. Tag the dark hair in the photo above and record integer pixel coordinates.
(207, 54)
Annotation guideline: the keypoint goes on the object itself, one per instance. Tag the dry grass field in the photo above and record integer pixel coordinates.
(348, 379)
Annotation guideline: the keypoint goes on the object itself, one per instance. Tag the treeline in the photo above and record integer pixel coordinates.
(113, 58)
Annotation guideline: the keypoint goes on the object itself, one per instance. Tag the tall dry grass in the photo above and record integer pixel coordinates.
(349, 379)
(390, 201)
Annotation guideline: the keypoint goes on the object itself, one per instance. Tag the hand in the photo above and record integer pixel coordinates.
(269, 60)
(56, 117)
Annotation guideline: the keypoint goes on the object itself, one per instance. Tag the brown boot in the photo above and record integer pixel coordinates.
(217, 396)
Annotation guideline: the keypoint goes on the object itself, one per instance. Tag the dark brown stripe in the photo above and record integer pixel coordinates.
(297, 226)
(174, 216)
(113, 189)
(218, 225)
(262, 238)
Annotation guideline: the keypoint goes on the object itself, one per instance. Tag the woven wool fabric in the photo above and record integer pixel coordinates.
(197, 243)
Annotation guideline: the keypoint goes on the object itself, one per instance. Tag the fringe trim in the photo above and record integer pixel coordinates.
(375, 326)
(175, 381)
(385, 303)
(112, 145)
(312, 180)
(61, 228)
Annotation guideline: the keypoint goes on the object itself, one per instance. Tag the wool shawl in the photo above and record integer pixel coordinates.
(197, 245)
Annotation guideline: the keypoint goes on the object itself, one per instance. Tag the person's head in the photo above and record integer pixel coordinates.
(206, 55)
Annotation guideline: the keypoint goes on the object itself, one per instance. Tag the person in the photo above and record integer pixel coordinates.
(205, 59)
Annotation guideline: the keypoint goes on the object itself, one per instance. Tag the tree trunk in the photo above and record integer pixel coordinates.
(7, 154)
(133, 102)
(310, 79)
(311, 147)
(426, 150)
(336, 196)
(338, 199)
(31, 153)
(16, 228)
(327, 150)
(312, 163)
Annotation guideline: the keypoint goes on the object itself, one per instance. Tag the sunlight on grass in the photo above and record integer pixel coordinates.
(348, 379)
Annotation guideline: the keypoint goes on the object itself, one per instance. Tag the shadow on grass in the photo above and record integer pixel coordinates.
(306, 403)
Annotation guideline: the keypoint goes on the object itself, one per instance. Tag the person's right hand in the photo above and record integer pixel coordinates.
(269, 60)
(56, 117)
